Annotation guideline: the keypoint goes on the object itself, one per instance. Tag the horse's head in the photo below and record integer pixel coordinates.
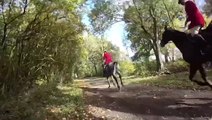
(166, 37)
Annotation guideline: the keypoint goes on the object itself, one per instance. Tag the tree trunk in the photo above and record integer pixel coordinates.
(160, 65)
(173, 55)
(166, 57)
(95, 67)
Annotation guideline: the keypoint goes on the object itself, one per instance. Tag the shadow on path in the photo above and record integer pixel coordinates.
(147, 102)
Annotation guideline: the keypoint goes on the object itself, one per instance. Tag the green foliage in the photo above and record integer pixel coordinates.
(146, 68)
(103, 15)
(48, 101)
(90, 61)
(177, 66)
(36, 41)
(208, 7)
(127, 68)
(145, 22)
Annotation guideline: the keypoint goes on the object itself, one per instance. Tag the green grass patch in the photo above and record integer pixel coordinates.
(46, 102)
(178, 80)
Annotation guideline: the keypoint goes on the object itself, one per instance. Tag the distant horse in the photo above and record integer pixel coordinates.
(191, 51)
(111, 70)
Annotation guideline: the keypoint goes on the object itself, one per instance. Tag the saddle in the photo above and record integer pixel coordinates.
(203, 40)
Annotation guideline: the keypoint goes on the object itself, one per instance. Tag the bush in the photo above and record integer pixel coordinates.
(127, 68)
(146, 68)
(177, 66)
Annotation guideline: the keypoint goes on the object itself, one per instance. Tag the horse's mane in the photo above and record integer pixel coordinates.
(177, 32)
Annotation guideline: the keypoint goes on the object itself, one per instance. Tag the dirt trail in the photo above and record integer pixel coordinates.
(137, 102)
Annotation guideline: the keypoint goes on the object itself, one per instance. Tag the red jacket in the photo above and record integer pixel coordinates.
(193, 15)
(107, 57)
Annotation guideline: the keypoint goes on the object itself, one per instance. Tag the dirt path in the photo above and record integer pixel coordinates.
(137, 102)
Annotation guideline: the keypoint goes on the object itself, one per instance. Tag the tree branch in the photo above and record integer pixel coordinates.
(169, 16)
(141, 20)
(24, 11)
(13, 19)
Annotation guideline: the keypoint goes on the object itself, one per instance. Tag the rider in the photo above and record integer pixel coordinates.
(195, 17)
(107, 60)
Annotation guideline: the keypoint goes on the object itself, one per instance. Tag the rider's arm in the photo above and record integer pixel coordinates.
(104, 59)
(190, 9)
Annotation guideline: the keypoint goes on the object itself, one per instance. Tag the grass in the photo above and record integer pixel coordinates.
(46, 102)
(178, 80)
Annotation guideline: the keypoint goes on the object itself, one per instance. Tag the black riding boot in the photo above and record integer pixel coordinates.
(105, 70)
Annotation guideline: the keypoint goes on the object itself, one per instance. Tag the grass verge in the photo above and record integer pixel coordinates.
(178, 80)
(46, 102)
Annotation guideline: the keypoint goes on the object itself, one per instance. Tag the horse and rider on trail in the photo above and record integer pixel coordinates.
(196, 47)
(110, 69)
(197, 22)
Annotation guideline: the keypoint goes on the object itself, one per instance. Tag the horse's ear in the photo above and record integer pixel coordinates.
(165, 27)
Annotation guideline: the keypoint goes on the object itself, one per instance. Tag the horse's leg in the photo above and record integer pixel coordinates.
(116, 81)
(116, 71)
(203, 75)
(192, 71)
(108, 81)
(120, 77)
(113, 81)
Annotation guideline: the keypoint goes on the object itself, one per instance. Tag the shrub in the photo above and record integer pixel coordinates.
(177, 66)
(47, 101)
(146, 68)
(127, 67)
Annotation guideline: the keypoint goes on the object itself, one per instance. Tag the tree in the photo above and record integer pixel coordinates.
(145, 21)
(90, 62)
(208, 7)
(36, 39)
(103, 15)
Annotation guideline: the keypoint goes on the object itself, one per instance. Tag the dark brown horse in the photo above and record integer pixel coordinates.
(190, 50)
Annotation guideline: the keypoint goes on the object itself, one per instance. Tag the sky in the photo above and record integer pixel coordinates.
(116, 33)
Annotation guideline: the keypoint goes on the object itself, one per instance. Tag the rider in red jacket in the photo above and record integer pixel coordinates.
(196, 19)
(107, 58)
(194, 16)
(107, 62)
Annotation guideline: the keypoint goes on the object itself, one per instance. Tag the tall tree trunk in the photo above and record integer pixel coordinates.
(158, 55)
(173, 55)
(156, 43)
(166, 56)
(95, 67)
(4, 36)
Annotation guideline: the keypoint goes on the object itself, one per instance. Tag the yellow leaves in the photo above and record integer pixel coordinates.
(127, 67)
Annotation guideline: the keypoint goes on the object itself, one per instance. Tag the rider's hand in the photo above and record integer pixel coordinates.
(185, 29)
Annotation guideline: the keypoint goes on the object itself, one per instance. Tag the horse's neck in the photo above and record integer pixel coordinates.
(179, 39)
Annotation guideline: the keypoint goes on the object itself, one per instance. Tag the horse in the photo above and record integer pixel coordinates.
(110, 71)
(190, 51)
